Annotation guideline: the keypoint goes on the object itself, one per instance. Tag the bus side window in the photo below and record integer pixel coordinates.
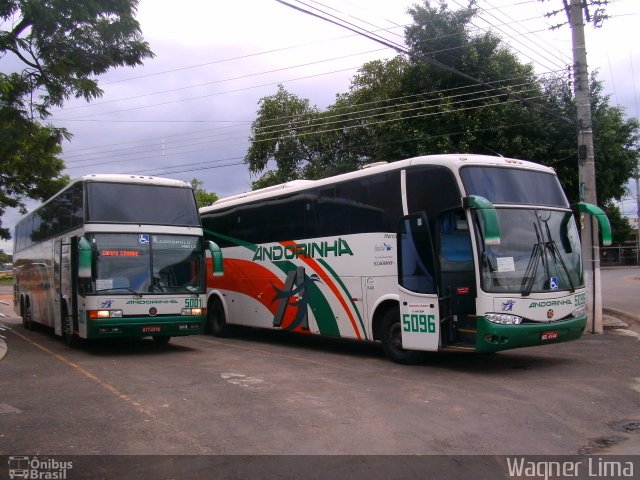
(416, 255)
(455, 242)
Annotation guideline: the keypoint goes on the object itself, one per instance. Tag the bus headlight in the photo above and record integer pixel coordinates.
(102, 314)
(503, 318)
(193, 311)
(579, 312)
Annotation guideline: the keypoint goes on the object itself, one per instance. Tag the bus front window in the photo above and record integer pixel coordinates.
(144, 263)
(177, 264)
(539, 251)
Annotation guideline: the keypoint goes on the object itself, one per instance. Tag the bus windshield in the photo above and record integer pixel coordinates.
(513, 186)
(539, 251)
(143, 263)
(142, 205)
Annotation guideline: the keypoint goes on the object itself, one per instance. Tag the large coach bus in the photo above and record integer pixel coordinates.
(455, 252)
(113, 256)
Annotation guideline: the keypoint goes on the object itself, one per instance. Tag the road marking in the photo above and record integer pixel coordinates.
(117, 393)
(244, 380)
(107, 386)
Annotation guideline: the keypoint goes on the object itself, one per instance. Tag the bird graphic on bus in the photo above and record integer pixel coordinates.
(294, 294)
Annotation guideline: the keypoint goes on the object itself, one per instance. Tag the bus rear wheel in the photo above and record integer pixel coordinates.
(391, 336)
(217, 320)
(161, 340)
(27, 320)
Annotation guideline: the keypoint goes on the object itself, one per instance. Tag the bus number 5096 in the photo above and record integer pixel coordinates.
(418, 323)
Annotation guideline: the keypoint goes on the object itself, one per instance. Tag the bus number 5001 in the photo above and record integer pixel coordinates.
(418, 323)
(192, 303)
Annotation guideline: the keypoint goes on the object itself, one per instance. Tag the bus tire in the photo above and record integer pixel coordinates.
(70, 338)
(27, 318)
(161, 340)
(216, 319)
(391, 337)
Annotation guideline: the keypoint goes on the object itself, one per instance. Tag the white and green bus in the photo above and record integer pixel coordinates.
(113, 256)
(446, 252)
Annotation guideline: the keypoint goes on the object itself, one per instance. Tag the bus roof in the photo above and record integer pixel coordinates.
(140, 179)
(452, 161)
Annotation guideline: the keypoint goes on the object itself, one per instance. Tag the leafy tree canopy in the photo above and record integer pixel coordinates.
(204, 198)
(59, 45)
(621, 229)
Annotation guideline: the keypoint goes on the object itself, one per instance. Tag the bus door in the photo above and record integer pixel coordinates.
(457, 278)
(419, 310)
(57, 285)
(64, 283)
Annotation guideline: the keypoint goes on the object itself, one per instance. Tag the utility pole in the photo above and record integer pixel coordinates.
(586, 167)
(638, 217)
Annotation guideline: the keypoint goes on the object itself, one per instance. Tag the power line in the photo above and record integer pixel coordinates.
(448, 134)
(340, 128)
(241, 77)
(357, 112)
(402, 49)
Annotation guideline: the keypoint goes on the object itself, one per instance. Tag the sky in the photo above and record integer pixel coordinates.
(187, 113)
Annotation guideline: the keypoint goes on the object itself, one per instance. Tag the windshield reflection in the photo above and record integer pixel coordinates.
(539, 251)
(144, 263)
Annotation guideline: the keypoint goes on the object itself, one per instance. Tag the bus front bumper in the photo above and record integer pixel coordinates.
(493, 337)
(171, 326)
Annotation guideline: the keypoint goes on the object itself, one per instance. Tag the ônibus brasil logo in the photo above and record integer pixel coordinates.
(38, 469)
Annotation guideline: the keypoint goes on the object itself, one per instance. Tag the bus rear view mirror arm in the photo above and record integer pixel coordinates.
(601, 217)
(489, 216)
(216, 256)
(85, 258)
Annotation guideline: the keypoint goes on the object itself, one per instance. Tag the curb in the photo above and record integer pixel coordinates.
(614, 312)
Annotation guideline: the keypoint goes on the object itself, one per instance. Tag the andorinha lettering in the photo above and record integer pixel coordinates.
(312, 250)
(550, 303)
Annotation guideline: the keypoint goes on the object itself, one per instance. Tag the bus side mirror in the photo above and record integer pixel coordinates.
(488, 215)
(601, 217)
(85, 258)
(216, 256)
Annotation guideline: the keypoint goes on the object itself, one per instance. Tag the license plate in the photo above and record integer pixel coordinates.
(151, 329)
(553, 335)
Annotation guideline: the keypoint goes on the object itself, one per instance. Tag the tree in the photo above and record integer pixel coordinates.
(5, 257)
(60, 45)
(204, 198)
(621, 229)
(281, 134)
(616, 141)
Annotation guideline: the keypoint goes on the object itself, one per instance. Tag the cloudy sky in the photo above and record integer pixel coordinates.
(187, 113)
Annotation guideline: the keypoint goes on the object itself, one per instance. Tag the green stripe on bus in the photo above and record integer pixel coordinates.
(337, 278)
(240, 243)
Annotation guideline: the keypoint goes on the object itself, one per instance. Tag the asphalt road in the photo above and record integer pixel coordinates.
(266, 393)
(621, 288)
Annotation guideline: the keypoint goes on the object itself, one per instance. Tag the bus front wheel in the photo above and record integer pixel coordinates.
(217, 320)
(68, 334)
(391, 336)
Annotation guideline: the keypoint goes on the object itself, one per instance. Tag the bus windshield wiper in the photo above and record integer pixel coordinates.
(555, 255)
(532, 267)
(137, 294)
